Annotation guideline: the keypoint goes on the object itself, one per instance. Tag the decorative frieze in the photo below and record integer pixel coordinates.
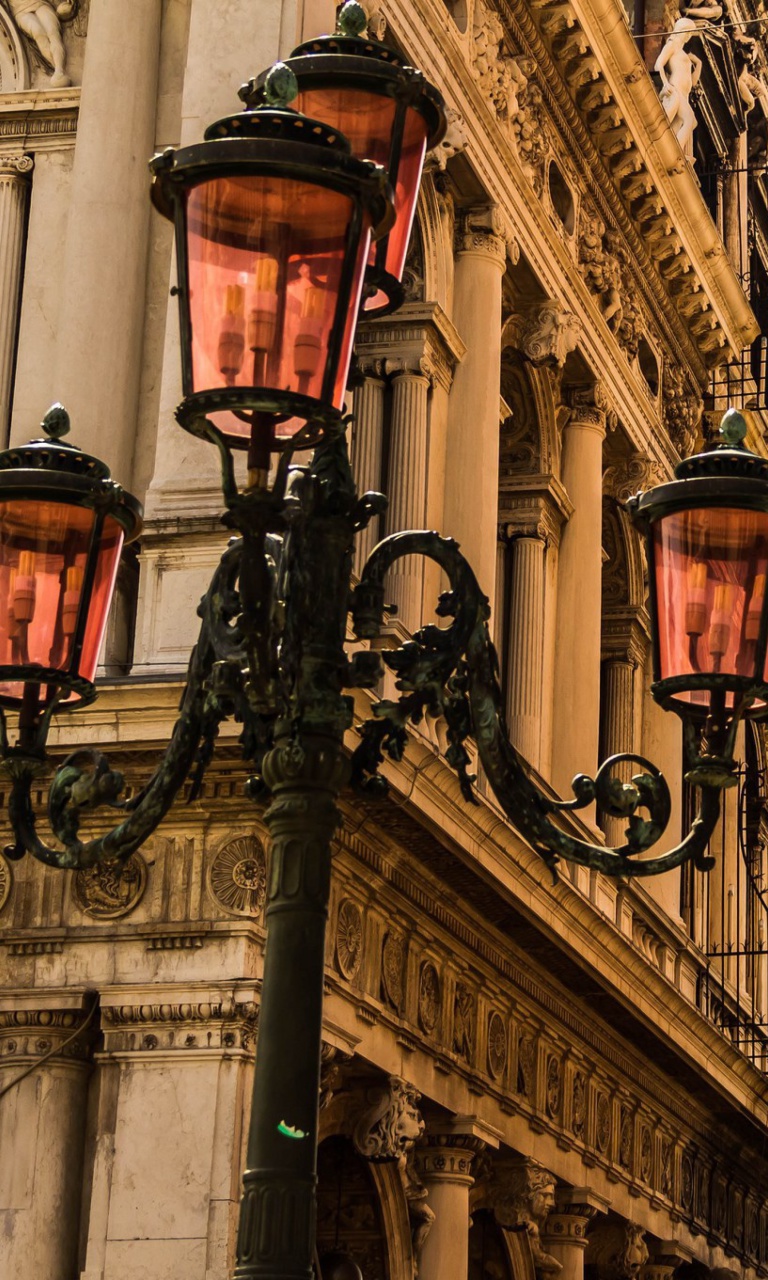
(175, 1026)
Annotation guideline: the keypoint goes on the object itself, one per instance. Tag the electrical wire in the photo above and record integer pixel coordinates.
(719, 26)
(51, 1052)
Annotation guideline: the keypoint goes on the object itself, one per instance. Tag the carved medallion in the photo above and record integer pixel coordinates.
(602, 1123)
(111, 889)
(497, 1045)
(393, 970)
(646, 1154)
(686, 1182)
(553, 1085)
(349, 938)
(579, 1105)
(429, 997)
(238, 876)
(6, 880)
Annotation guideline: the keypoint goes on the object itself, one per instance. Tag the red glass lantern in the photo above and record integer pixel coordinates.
(63, 523)
(273, 227)
(707, 544)
(389, 113)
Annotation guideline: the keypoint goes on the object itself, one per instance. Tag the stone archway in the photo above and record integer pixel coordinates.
(14, 68)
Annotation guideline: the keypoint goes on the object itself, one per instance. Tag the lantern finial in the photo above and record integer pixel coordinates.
(352, 19)
(733, 428)
(56, 422)
(280, 86)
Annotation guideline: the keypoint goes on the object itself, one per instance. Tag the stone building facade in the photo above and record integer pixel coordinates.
(522, 1079)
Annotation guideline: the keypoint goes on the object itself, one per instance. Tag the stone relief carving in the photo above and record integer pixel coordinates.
(601, 270)
(238, 876)
(666, 1173)
(625, 1138)
(531, 134)
(554, 1083)
(680, 72)
(413, 271)
(6, 881)
(497, 1045)
(602, 1123)
(752, 88)
(464, 1023)
(616, 1251)
(420, 1214)
(521, 1194)
(526, 1064)
(646, 1154)
(349, 938)
(332, 1062)
(390, 1124)
(40, 22)
(429, 997)
(455, 140)
(393, 970)
(111, 889)
(497, 74)
(549, 333)
(683, 409)
(579, 1104)
(631, 473)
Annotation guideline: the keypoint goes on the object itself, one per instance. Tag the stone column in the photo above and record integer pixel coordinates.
(15, 174)
(472, 458)
(618, 726)
(564, 1235)
(42, 1133)
(367, 443)
(445, 1165)
(407, 484)
(526, 645)
(579, 591)
(101, 326)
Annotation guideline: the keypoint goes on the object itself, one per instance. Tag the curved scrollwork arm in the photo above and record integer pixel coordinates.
(453, 671)
(85, 781)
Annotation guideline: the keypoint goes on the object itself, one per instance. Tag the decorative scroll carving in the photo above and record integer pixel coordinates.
(6, 881)
(616, 1250)
(393, 970)
(521, 1194)
(391, 1123)
(549, 333)
(633, 472)
(464, 1023)
(111, 889)
(430, 997)
(238, 876)
(349, 938)
(497, 1045)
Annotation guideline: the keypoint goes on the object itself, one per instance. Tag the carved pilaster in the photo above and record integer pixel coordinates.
(408, 478)
(15, 174)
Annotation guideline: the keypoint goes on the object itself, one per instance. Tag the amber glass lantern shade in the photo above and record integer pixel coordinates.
(390, 114)
(273, 228)
(63, 523)
(707, 545)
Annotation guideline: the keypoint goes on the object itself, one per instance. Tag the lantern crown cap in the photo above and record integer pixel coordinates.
(280, 85)
(352, 19)
(733, 428)
(52, 453)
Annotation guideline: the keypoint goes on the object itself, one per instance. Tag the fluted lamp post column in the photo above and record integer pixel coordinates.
(15, 175)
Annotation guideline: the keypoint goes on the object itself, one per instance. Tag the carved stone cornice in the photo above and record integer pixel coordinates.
(533, 507)
(625, 635)
(420, 337)
(16, 167)
(32, 1026)
(164, 1022)
(39, 119)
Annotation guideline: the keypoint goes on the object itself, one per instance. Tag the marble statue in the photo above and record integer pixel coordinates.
(40, 21)
(680, 72)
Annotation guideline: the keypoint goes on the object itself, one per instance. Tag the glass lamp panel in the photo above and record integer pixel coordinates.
(711, 568)
(265, 259)
(367, 120)
(107, 562)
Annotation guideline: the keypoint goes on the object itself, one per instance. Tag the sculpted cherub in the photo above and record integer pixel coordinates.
(41, 21)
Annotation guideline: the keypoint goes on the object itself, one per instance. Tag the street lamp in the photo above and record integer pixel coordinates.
(273, 220)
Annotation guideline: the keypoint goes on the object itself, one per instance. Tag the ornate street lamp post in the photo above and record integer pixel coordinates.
(273, 218)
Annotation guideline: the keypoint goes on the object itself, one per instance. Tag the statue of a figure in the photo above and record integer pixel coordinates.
(41, 21)
(680, 73)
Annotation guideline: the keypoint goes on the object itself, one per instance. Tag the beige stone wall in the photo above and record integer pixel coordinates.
(560, 1023)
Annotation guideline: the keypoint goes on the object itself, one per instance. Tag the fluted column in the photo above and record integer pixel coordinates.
(101, 328)
(526, 646)
(618, 733)
(579, 590)
(564, 1235)
(445, 1165)
(407, 483)
(42, 1134)
(15, 172)
(472, 458)
(367, 446)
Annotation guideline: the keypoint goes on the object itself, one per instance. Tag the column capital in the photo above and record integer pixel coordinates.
(533, 507)
(37, 1023)
(625, 635)
(410, 364)
(575, 1207)
(16, 166)
(418, 331)
(589, 406)
(484, 232)
(665, 1260)
(371, 367)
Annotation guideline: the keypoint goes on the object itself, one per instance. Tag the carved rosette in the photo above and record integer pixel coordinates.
(393, 970)
(497, 1045)
(430, 997)
(6, 881)
(238, 876)
(111, 889)
(349, 938)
